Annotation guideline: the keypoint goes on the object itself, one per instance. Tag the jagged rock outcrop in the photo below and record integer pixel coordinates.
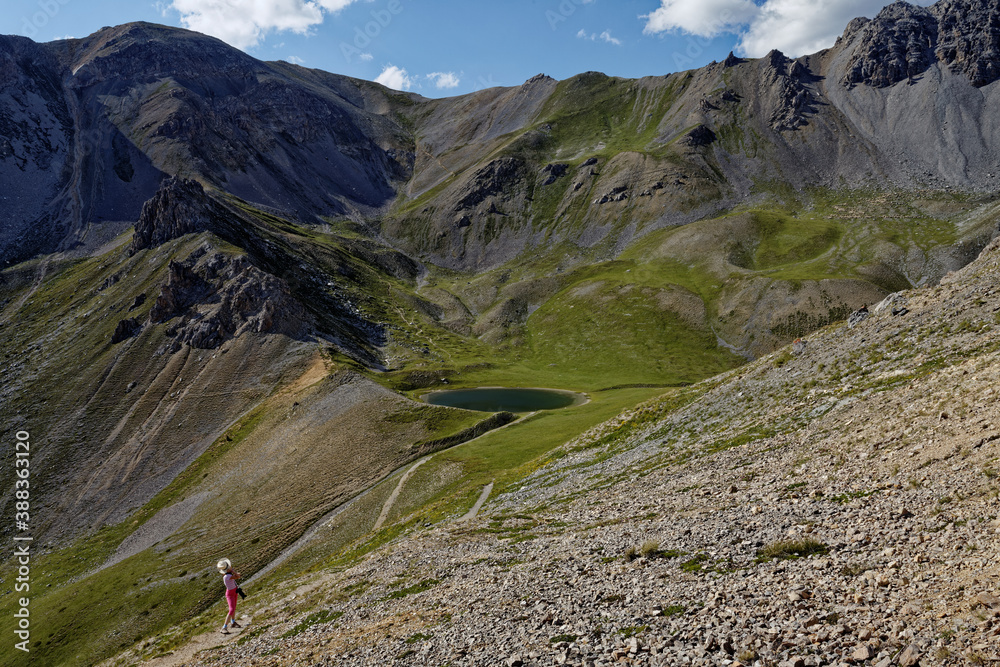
(495, 178)
(555, 172)
(896, 46)
(139, 300)
(126, 329)
(699, 136)
(784, 85)
(904, 40)
(538, 78)
(223, 297)
(179, 207)
(969, 38)
(183, 288)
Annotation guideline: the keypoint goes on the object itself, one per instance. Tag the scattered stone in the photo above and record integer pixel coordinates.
(910, 656)
(988, 600)
(857, 317)
(863, 652)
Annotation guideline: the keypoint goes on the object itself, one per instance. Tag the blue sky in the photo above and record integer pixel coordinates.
(450, 47)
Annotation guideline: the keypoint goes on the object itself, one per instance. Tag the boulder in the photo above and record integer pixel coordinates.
(699, 136)
(126, 329)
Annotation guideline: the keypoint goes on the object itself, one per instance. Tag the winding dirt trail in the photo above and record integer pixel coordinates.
(40, 273)
(471, 514)
(395, 492)
(188, 652)
(203, 642)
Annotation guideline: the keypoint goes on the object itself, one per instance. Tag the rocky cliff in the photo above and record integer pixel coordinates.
(213, 298)
(179, 207)
(904, 41)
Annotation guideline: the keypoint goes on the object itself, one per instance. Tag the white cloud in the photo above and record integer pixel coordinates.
(606, 36)
(395, 78)
(444, 80)
(243, 23)
(295, 60)
(366, 57)
(706, 18)
(795, 27)
(593, 37)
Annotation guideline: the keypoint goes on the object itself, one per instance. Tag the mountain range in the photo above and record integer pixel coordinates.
(226, 283)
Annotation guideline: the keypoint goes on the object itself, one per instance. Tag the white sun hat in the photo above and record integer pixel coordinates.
(223, 565)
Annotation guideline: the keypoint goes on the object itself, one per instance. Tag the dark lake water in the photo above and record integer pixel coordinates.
(497, 399)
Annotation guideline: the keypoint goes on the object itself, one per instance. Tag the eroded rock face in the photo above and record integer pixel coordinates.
(896, 46)
(904, 40)
(969, 38)
(126, 329)
(184, 288)
(493, 179)
(785, 81)
(222, 297)
(179, 207)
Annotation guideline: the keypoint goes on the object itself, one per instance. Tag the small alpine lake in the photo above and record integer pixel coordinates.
(509, 399)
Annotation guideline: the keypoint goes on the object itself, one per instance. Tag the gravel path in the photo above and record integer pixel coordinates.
(471, 514)
(395, 492)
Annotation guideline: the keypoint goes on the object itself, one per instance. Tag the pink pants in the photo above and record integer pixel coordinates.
(231, 600)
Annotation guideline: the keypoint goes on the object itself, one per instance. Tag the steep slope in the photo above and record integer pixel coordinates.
(181, 399)
(92, 126)
(550, 173)
(832, 505)
(62, 168)
(633, 155)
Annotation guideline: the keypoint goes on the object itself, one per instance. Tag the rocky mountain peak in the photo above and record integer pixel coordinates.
(775, 59)
(538, 78)
(904, 40)
(732, 60)
(149, 51)
(852, 29)
(969, 38)
(896, 46)
(784, 85)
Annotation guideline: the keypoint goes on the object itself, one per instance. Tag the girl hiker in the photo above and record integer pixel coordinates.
(229, 577)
